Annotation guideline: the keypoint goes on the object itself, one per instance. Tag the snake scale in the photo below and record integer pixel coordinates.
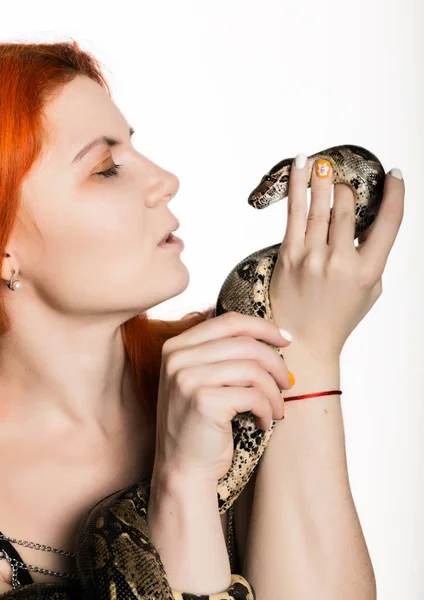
(115, 558)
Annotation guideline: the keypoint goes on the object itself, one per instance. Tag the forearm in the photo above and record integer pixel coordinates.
(185, 528)
(305, 539)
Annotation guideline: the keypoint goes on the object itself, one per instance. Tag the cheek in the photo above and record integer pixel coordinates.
(113, 232)
(102, 245)
(110, 217)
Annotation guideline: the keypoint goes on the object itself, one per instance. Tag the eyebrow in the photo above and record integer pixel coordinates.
(103, 139)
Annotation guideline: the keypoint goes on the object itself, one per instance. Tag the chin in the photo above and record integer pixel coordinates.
(173, 283)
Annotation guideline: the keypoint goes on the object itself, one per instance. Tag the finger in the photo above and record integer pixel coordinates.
(362, 237)
(240, 347)
(239, 373)
(297, 205)
(228, 324)
(382, 234)
(316, 234)
(343, 219)
(223, 404)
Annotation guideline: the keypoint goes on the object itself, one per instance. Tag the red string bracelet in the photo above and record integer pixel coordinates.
(313, 395)
(302, 396)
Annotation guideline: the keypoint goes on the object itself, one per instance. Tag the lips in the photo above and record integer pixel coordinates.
(168, 231)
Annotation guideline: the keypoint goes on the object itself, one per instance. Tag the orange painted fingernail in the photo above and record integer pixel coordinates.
(322, 168)
(292, 380)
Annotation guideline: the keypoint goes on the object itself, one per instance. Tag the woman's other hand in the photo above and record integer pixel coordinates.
(209, 373)
(322, 285)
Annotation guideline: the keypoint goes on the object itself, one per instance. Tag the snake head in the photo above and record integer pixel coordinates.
(273, 186)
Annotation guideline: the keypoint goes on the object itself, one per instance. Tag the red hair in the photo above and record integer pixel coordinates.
(31, 75)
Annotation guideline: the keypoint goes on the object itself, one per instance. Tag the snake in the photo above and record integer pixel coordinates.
(115, 558)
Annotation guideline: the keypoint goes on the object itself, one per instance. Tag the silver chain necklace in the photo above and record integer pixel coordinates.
(17, 564)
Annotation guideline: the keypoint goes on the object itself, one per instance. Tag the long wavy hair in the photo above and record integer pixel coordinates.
(31, 75)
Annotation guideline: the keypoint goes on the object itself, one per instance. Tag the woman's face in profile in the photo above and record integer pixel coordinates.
(98, 253)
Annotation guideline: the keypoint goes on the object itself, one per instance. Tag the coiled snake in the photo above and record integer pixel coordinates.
(115, 558)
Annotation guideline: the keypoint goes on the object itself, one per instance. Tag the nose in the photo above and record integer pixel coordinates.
(164, 186)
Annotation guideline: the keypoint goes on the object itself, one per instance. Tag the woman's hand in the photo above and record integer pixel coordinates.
(209, 373)
(322, 285)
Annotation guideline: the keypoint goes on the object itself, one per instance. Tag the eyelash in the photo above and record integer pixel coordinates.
(111, 172)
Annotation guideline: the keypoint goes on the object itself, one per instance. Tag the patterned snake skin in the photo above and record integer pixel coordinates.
(115, 558)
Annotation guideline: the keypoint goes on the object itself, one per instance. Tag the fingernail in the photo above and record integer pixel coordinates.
(300, 161)
(288, 336)
(291, 379)
(322, 168)
(396, 173)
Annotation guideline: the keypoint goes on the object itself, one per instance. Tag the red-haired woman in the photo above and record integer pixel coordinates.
(94, 395)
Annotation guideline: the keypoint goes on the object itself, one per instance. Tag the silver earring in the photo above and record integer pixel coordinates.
(13, 285)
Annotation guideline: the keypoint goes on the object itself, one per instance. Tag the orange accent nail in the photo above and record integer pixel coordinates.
(292, 380)
(322, 168)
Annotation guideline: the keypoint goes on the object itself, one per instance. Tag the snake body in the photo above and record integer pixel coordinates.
(115, 558)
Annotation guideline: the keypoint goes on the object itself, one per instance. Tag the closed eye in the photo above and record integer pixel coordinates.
(111, 172)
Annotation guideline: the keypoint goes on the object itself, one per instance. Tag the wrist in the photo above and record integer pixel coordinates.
(185, 496)
(312, 373)
(169, 479)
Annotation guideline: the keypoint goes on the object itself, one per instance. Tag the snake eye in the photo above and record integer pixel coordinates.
(267, 178)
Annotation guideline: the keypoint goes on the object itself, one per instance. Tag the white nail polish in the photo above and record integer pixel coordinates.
(300, 161)
(288, 336)
(396, 173)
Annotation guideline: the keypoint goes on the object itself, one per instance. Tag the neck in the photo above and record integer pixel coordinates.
(60, 378)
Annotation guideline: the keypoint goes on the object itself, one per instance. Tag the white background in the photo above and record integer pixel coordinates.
(219, 92)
